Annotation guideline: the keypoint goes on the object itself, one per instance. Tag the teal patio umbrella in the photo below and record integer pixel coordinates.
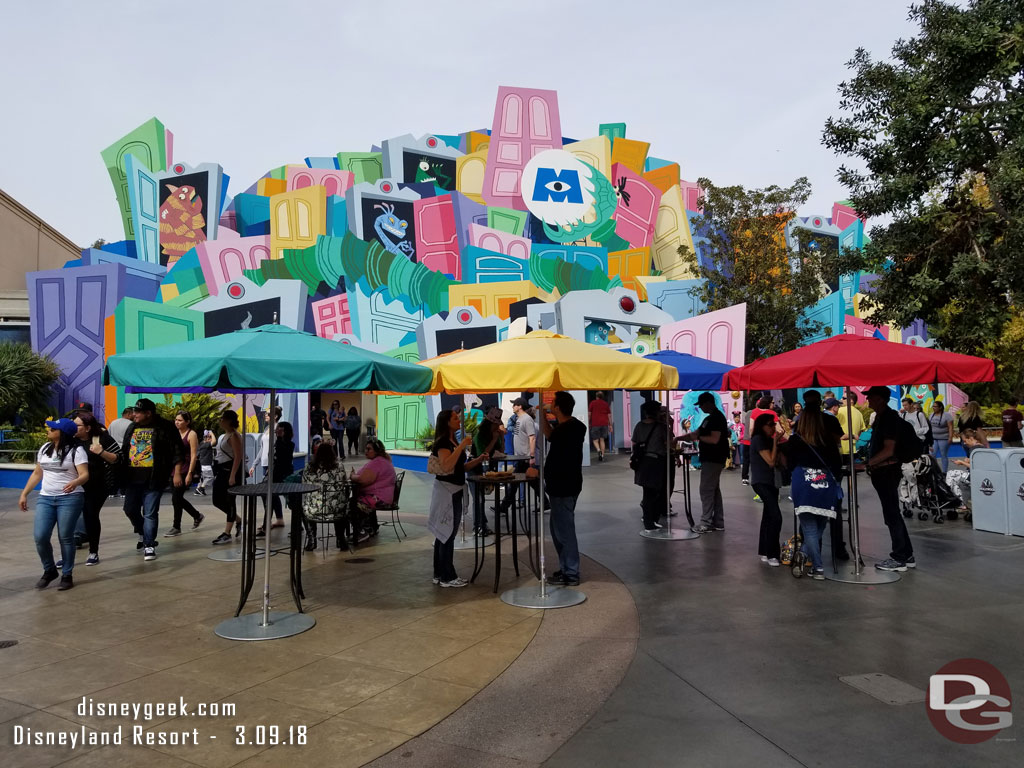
(269, 358)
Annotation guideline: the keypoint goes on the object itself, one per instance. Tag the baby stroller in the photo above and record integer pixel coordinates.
(924, 487)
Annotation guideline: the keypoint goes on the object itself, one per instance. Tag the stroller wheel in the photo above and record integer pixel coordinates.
(938, 518)
(922, 515)
(908, 512)
(968, 516)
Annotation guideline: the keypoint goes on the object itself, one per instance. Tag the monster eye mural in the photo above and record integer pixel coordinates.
(571, 198)
(419, 167)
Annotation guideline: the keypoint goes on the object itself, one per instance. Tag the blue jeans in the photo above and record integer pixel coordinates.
(940, 450)
(142, 506)
(812, 526)
(62, 511)
(563, 533)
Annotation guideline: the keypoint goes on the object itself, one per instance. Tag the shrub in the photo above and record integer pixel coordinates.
(26, 383)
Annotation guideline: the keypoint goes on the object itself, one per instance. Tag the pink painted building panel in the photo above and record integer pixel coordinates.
(692, 195)
(502, 242)
(858, 327)
(635, 220)
(525, 122)
(437, 241)
(335, 182)
(331, 316)
(223, 260)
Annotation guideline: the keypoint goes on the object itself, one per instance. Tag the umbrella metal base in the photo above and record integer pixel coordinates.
(530, 597)
(250, 626)
(868, 575)
(233, 555)
(666, 535)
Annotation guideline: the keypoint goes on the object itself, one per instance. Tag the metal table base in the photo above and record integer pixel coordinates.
(251, 627)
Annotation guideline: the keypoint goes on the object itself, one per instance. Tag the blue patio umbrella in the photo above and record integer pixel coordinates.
(694, 372)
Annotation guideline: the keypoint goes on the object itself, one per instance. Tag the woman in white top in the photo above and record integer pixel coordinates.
(63, 466)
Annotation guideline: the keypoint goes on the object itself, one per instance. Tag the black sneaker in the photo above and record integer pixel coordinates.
(66, 582)
(224, 538)
(842, 554)
(564, 581)
(911, 562)
(260, 533)
(46, 578)
(198, 521)
(555, 575)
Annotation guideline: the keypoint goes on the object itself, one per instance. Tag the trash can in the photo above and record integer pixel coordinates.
(988, 490)
(1015, 490)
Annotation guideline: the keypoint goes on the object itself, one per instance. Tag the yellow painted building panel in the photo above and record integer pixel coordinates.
(297, 218)
(596, 151)
(671, 230)
(469, 175)
(271, 187)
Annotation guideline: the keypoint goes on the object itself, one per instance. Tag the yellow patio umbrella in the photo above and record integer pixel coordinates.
(544, 361)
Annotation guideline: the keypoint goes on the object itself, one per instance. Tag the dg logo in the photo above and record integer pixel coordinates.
(969, 701)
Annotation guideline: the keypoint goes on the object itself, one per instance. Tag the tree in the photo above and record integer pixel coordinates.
(98, 243)
(26, 383)
(746, 259)
(937, 134)
(204, 409)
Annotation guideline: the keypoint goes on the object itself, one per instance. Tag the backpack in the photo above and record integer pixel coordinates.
(929, 439)
(909, 446)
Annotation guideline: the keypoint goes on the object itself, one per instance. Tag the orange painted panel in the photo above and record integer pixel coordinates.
(269, 187)
(664, 178)
(630, 153)
(630, 264)
(475, 141)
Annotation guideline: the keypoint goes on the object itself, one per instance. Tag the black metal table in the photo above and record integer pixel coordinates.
(501, 485)
(249, 494)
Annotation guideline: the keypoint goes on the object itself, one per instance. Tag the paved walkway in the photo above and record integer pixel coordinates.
(699, 656)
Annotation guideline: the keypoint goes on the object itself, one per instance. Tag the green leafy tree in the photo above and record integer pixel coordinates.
(936, 136)
(26, 383)
(747, 259)
(205, 409)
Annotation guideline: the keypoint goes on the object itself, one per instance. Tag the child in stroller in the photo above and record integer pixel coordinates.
(924, 487)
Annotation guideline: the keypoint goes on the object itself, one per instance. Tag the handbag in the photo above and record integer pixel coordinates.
(434, 465)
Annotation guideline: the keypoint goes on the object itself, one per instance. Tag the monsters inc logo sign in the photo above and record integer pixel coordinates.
(557, 186)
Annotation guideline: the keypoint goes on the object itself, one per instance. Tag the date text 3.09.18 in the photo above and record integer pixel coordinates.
(270, 735)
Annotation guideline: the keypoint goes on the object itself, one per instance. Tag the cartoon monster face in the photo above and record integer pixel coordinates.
(597, 332)
(558, 188)
(391, 223)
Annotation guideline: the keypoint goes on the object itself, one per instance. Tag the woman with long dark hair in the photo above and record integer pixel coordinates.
(942, 432)
(284, 457)
(62, 465)
(353, 426)
(336, 421)
(227, 472)
(374, 485)
(815, 486)
(104, 454)
(190, 460)
(764, 451)
(447, 494)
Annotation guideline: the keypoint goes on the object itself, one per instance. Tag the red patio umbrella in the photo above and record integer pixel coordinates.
(848, 360)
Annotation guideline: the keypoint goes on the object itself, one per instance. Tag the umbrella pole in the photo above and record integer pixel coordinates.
(856, 574)
(666, 533)
(271, 432)
(531, 597)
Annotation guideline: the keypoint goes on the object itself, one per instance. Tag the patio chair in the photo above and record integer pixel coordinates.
(332, 509)
(395, 522)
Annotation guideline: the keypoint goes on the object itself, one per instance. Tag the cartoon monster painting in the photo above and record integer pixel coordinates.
(182, 225)
(392, 230)
(572, 198)
(432, 170)
(597, 332)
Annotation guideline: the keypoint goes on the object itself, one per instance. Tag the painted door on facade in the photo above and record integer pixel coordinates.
(525, 122)
(333, 181)
(830, 312)
(67, 308)
(671, 230)
(502, 242)
(296, 218)
(401, 417)
(590, 258)
(637, 211)
(629, 265)
(143, 196)
(485, 266)
(437, 242)
(224, 261)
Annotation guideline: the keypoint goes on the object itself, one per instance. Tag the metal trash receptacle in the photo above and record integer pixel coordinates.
(1015, 490)
(988, 490)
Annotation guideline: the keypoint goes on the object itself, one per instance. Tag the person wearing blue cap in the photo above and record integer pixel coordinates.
(63, 466)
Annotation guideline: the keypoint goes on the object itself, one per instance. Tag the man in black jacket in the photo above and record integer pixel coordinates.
(152, 455)
(713, 446)
(884, 467)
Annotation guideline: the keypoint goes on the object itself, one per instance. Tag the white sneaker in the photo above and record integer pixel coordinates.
(764, 558)
(774, 562)
(150, 553)
(454, 583)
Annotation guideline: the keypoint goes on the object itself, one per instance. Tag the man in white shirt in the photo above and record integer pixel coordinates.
(524, 443)
(916, 418)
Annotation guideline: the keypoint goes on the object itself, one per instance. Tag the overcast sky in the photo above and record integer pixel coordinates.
(735, 90)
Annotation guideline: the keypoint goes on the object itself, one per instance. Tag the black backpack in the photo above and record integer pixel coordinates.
(909, 447)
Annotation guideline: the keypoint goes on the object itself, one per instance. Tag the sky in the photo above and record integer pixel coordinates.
(735, 90)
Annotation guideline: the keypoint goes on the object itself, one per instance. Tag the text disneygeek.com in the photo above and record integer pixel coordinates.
(77, 736)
